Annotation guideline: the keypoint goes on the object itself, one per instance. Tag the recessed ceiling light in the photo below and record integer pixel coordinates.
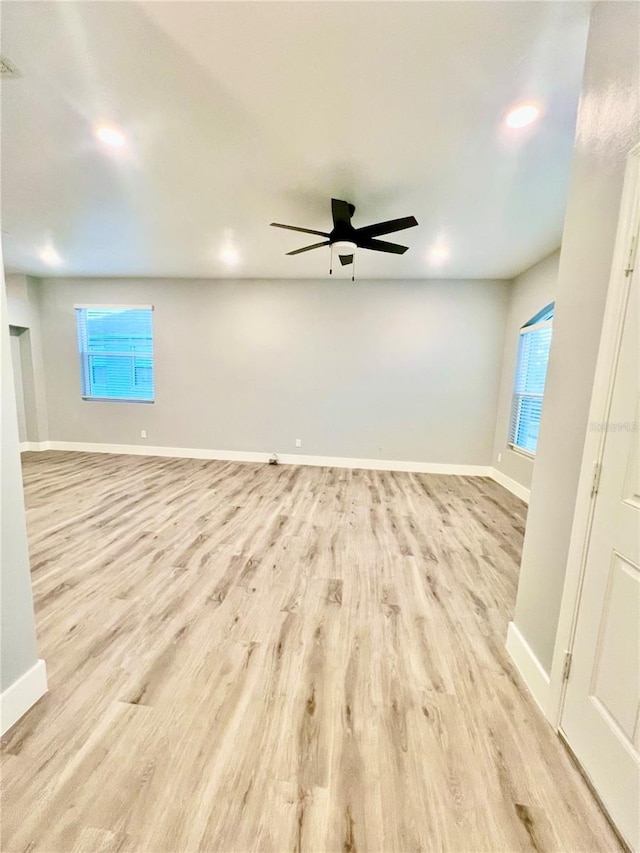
(522, 115)
(111, 136)
(48, 255)
(438, 254)
(229, 256)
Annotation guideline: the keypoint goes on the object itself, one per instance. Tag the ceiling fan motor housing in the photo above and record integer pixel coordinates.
(345, 239)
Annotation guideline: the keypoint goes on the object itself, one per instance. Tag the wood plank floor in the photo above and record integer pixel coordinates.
(254, 658)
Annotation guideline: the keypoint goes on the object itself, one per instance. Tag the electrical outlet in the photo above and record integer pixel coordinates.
(298, 442)
(143, 433)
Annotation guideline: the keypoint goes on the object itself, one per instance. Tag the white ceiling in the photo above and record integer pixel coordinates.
(243, 113)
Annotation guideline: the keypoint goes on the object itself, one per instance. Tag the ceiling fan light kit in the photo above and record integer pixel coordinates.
(345, 239)
(346, 250)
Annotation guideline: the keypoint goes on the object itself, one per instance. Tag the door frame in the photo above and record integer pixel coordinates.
(628, 229)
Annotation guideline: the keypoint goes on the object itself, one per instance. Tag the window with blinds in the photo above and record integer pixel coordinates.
(531, 372)
(116, 352)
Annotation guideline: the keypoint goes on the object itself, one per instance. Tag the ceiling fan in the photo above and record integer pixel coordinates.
(346, 239)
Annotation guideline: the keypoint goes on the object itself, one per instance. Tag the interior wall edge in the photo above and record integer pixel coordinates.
(23, 694)
(535, 677)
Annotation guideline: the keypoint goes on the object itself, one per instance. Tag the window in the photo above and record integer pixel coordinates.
(531, 371)
(116, 352)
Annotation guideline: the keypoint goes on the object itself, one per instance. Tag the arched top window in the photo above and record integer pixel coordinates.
(531, 372)
(542, 316)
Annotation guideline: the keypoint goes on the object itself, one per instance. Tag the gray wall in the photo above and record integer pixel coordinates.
(608, 126)
(18, 650)
(23, 311)
(531, 291)
(18, 384)
(401, 370)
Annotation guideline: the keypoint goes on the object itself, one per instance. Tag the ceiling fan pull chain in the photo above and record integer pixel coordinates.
(331, 265)
(353, 271)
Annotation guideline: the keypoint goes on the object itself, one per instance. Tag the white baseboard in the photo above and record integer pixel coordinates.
(512, 485)
(257, 456)
(529, 667)
(151, 450)
(287, 459)
(22, 694)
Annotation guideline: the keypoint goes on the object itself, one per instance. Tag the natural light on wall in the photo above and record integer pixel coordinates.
(531, 372)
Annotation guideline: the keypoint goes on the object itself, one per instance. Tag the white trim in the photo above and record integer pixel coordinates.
(525, 330)
(284, 458)
(33, 445)
(628, 225)
(515, 448)
(529, 667)
(288, 459)
(512, 485)
(114, 307)
(89, 399)
(22, 695)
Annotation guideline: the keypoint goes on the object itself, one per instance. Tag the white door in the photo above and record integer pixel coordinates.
(601, 714)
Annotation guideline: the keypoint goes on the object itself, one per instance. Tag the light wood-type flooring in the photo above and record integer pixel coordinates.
(253, 658)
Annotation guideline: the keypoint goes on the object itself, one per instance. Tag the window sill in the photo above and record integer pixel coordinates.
(116, 400)
(522, 452)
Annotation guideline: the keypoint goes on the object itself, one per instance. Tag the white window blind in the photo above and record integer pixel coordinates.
(531, 372)
(116, 352)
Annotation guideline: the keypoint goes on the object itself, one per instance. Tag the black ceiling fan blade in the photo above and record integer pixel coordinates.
(308, 248)
(341, 211)
(345, 260)
(303, 230)
(387, 227)
(381, 246)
